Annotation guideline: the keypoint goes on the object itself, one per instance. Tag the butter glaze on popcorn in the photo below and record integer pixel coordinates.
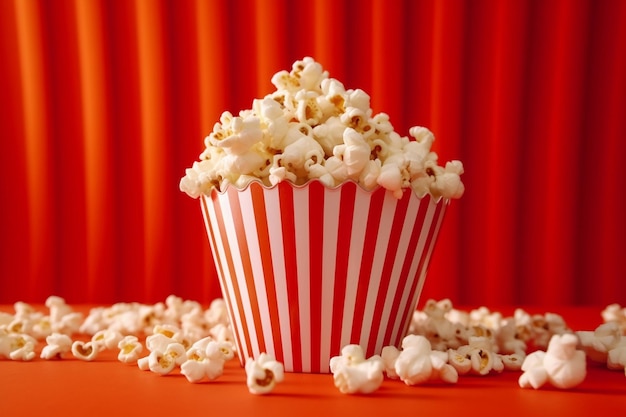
(310, 128)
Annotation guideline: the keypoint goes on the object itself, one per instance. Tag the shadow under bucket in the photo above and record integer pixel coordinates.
(306, 270)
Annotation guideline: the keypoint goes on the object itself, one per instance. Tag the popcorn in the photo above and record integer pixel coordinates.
(616, 358)
(440, 332)
(86, 351)
(562, 365)
(353, 373)
(130, 349)
(477, 357)
(263, 374)
(311, 127)
(597, 344)
(539, 328)
(107, 339)
(206, 360)
(417, 363)
(615, 312)
(164, 361)
(17, 346)
(57, 345)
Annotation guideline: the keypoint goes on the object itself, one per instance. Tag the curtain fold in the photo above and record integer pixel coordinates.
(106, 102)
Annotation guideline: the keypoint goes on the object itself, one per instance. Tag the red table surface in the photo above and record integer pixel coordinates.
(107, 387)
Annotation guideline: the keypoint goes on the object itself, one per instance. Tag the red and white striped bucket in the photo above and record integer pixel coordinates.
(306, 270)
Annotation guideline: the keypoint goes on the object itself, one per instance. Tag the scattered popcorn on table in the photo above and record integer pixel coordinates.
(443, 343)
(263, 373)
(562, 365)
(353, 373)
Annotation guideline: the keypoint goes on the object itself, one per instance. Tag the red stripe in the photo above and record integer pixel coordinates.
(344, 234)
(285, 192)
(260, 212)
(423, 265)
(316, 244)
(236, 302)
(404, 273)
(242, 243)
(392, 248)
(365, 272)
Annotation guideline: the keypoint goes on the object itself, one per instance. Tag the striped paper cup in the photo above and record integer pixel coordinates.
(306, 270)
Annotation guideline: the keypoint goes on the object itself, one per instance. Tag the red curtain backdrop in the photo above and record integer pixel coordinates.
(104, 103)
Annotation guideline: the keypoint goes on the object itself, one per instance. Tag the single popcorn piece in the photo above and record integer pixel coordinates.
(353, 373)
(417, 363)
(389, 356)
(57, 345)
(597, 344)
(616, 358)
(130, 349)
(313, 128)
(86, 351)
(195, 367)
(107, 339)
(164, 361)
(617, 313)
(562, 365)
(263, 373)
(17, 346)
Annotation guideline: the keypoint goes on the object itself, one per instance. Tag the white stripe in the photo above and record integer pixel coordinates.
(252, 237)
(355, 259)
(411, 273)
(382, 241)
(329, 253)
(240, 276)
(401, 254)
(227, 278)
(429, 218)
(274, 223)
(301, 224)
(439, 220)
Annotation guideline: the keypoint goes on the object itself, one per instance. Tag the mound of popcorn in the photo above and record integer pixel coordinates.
(313, 128)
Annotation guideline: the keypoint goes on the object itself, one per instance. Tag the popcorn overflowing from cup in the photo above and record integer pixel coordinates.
(313, 128)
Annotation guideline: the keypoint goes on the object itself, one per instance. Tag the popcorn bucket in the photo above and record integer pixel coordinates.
(306, 270)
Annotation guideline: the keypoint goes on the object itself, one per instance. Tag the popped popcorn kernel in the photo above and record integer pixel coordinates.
(17, 346)
(615, 313)
(353, 373)
(86, 351)
(57, 345)
(562, 365)
(597, 344)
(417, 363)
(130, 349)
(263, 374)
